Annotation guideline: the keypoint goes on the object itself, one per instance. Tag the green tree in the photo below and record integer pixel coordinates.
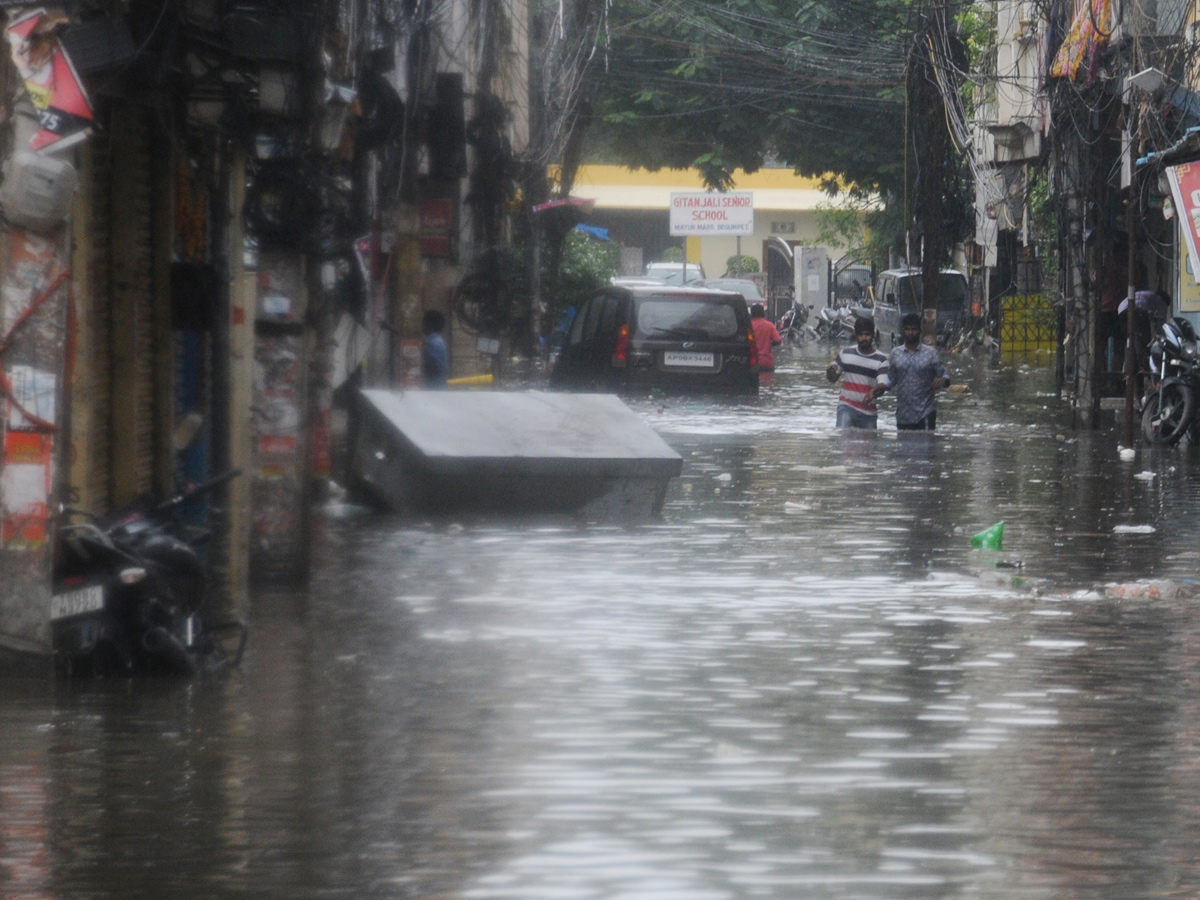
(744, 264)
(816, 84)
(585, 265)
(861, 227)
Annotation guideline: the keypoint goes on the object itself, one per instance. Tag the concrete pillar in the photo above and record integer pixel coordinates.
(34, 297)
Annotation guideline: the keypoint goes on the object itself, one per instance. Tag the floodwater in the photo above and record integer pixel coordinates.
(801, 683)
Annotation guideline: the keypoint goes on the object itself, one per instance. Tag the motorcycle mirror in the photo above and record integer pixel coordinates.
(132, 575)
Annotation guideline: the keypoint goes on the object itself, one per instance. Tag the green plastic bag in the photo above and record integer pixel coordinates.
(990, 539)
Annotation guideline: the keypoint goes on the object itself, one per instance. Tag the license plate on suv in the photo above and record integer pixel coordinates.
(77, 602)
(687, 358)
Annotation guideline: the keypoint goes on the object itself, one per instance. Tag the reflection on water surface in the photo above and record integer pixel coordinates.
(802, 682)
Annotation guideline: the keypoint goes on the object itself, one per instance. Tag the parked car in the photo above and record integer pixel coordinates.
(743, 286)
(673, 272)
(632, 338)
(851, 281)
(635, 281)
(899, 292)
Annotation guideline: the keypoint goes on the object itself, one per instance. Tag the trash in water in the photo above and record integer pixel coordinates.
(1145, 476)
(1128, 454)
(1134, 529)
(1147, 590)
(989, 539)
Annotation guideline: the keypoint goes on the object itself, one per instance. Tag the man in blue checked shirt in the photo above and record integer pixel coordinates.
(917, 373)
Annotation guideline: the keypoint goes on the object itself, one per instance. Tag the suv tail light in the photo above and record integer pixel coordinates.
(753, 347)
(621, 351)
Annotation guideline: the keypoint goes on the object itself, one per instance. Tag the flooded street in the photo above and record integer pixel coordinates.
(802, 682)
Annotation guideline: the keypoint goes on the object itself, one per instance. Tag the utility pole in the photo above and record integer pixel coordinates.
(931, 137)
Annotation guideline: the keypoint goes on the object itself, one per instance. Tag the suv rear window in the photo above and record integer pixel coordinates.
(686, 319)
(952, 293)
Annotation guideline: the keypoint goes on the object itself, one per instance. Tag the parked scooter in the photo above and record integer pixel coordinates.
(836, 323)
(791, 326)
(131, 593)
(1169, 406)
(829, 324)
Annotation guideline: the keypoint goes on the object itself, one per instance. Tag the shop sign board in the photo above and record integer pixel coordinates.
(436, 220)
(1185, 189)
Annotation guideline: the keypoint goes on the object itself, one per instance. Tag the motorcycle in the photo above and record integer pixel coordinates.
(131, 593)
(836, 323)
(1169, 406)
(830, 324)
(791, 326)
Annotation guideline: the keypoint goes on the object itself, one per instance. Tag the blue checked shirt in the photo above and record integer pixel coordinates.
(912, 374)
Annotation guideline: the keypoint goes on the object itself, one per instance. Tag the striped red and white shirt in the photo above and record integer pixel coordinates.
(860, 372)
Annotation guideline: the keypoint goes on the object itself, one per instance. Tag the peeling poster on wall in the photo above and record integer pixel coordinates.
(25, 481)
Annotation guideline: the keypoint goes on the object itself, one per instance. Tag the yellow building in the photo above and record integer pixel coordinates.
(634, 206)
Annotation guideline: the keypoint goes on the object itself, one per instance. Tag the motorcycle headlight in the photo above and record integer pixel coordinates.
(132, 575)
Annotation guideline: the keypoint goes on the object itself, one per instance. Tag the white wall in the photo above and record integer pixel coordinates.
(714, 251)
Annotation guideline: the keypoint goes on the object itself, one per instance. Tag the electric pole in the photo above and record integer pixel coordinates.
(929, 76)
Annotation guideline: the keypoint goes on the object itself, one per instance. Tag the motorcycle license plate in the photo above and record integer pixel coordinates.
(687, 358)
(76, 602)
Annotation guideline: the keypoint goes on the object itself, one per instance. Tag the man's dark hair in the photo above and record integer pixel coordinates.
(433, 321)
(912, 320)
(864, 325)
(757, 311)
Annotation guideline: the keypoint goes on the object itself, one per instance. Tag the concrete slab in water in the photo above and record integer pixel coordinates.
(525, 451)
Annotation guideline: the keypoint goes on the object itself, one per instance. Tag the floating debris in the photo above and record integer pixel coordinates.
(990, 538)
(1148, 590)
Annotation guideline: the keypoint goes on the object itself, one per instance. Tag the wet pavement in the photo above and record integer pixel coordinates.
(802, 683)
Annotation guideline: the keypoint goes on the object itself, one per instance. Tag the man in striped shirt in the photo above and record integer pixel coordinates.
(861, 367)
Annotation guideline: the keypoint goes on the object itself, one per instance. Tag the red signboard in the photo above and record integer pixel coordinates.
(436, 225)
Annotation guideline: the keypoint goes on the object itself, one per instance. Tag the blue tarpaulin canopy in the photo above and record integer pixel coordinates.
(601, 233)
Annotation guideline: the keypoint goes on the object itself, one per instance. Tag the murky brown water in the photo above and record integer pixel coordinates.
(802, 683)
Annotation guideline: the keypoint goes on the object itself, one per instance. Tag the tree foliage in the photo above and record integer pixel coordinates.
(744, 264)
(815, 84)
(586, 264)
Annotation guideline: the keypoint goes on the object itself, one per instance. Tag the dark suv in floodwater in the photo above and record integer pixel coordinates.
(627, 339)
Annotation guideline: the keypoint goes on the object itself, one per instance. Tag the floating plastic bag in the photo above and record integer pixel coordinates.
(990, 539)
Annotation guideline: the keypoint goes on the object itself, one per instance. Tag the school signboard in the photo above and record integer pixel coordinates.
(709, 212)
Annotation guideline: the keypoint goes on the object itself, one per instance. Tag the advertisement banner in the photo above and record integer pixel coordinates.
(1187, 297)
(54, 87)
(1185, 189)
(706, 212)
(26, 473)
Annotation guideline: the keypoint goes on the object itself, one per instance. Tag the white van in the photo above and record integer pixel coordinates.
(899, 292)
(672, 272)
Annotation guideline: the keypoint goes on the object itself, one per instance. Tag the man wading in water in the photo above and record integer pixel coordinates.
(862, 368)
(916, 371)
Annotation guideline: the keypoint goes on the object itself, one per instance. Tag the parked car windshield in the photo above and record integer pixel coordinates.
(745, 287)
(672, 273)
(850, 283)
(687, 319)
(952, 292)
